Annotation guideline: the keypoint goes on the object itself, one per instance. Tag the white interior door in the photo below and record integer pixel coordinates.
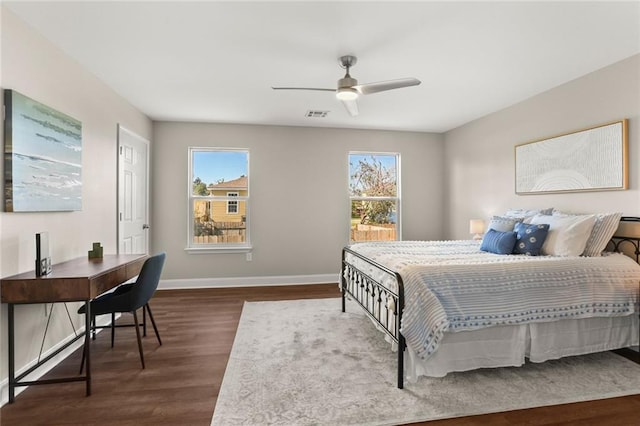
(133, 193)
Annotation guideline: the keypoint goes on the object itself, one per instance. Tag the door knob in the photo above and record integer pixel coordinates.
(145, 226)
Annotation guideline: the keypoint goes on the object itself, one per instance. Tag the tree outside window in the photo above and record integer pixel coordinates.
(374, 194)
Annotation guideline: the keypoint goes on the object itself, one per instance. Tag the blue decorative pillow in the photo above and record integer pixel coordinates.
(530, 238)
(498, 242)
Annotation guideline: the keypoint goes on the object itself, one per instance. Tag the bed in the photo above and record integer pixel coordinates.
(449, 306)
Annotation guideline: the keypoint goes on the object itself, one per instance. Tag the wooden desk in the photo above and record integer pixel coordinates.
(80, 279)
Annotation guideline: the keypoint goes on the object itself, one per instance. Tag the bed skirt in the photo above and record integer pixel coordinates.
(512, 346)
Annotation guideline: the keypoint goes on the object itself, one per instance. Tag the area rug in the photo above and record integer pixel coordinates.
(304, 362)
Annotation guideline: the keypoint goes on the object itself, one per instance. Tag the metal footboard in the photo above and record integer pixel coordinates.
(380, 303)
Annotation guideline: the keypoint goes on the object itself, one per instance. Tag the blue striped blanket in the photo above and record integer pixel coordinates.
(453, 286)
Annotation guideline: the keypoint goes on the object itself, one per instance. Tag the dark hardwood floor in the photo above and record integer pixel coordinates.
(183, 376)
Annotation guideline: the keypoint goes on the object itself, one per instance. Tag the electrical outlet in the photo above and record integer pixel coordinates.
(249, 257)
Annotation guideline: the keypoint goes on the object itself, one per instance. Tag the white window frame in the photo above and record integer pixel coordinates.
(194, 248)
(397, 198)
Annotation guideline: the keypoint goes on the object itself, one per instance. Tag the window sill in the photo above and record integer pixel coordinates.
(218, 250)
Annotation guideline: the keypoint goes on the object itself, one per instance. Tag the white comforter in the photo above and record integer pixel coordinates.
(453, 286)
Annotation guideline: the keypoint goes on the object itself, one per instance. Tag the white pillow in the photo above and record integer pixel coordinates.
(567, 235)
(605, 226)
(503, 223)
(528, 212)
(525, 215)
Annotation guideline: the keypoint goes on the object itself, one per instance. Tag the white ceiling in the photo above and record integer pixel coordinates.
(217, 61)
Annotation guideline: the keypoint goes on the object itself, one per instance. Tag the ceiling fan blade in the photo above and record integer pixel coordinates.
(381, 86)
(304, 88)
(351, 106)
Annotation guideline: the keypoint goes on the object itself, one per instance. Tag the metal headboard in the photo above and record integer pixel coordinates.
(620, 241)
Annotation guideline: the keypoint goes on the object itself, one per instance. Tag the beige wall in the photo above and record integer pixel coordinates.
(300, 170)
(35, 68)
(480, 155)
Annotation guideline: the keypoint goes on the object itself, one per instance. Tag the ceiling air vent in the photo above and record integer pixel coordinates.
(316, 114)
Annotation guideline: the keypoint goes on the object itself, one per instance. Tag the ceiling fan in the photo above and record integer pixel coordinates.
(349, 90)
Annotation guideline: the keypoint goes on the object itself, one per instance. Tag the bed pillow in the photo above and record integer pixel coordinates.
(567, 235)
(530, 238)
(603, 229)
(503, 223)
(526, 214)
(498, 242)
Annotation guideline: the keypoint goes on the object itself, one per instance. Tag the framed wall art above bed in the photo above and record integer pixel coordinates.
(593, 159)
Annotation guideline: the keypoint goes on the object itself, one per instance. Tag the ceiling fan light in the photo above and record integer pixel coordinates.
(347, 94)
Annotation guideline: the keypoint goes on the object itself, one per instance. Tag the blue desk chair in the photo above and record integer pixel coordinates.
(129, 298)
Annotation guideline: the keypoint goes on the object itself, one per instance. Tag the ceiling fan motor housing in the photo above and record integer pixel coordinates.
(347, 81)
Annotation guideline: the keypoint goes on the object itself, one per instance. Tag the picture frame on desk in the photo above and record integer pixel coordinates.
(43, 259)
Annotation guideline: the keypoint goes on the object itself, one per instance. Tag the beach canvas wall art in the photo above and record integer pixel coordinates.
(42, 157)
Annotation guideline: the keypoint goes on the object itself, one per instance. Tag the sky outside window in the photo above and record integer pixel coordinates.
(214, 166)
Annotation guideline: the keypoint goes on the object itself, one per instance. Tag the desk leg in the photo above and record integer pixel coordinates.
(87, 342)
(12, 367)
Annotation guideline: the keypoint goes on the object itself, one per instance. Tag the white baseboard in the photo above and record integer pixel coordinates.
(4, 385)
(247, 281)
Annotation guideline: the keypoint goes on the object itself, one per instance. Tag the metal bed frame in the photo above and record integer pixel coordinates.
(375, 298)
(618, 241)
(371, 294)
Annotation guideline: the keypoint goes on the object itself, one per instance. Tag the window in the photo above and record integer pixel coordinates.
(232, 206)
(218, 199)
(374, 191)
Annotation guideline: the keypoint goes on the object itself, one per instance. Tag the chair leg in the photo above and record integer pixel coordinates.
(113, 327)
(137, 326)
(93, 326)
(144, 322)
(148, 308)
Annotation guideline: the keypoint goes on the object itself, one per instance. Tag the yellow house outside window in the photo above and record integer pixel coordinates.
(219, 200)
